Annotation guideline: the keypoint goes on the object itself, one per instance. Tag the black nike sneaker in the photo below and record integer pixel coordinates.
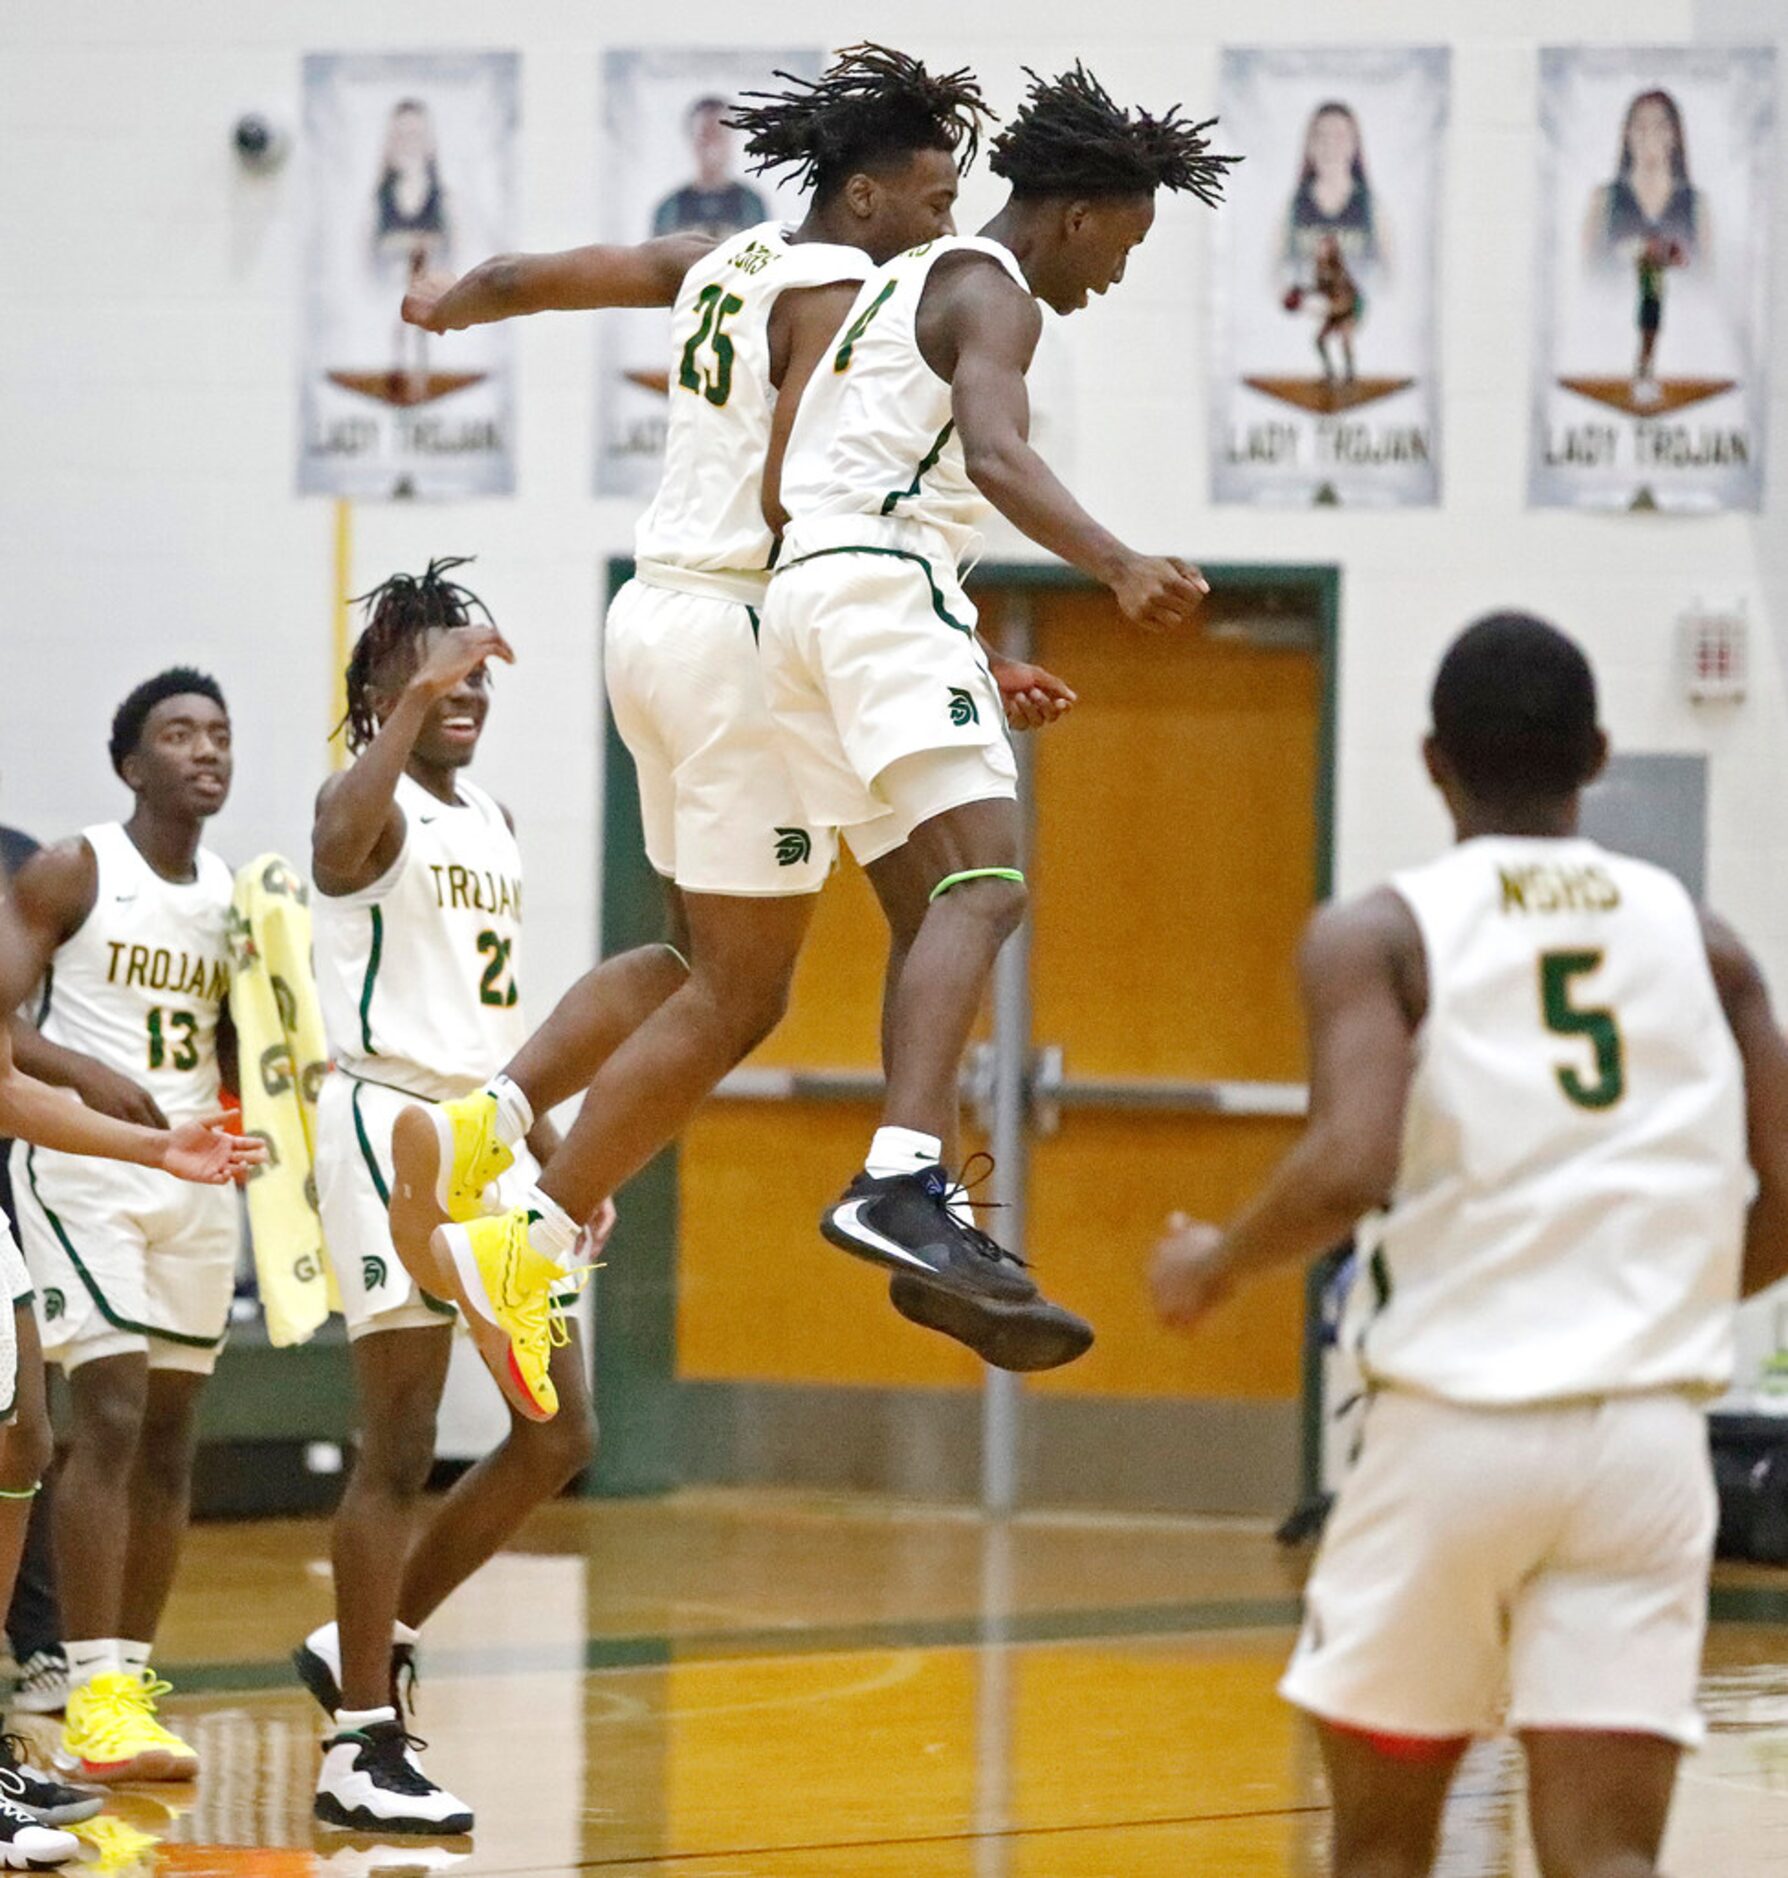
(49, 1801)
(904, 1222)
(1020, 1337)
(318, 1663)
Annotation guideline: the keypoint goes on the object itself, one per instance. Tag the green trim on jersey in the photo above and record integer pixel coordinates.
(751, 614)
(92, 1287)
(899, 554)
(927, 464)
(372, 972)
(381, 1189)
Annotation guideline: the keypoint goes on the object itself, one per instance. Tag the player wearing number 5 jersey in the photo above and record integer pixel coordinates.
(134, 1269)
(1560, 1091)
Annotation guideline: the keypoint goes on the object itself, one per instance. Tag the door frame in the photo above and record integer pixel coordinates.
(640, 1402)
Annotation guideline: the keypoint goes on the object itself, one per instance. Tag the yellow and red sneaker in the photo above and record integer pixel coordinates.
(443, 1157)
(111, 1734)
(506, 1290)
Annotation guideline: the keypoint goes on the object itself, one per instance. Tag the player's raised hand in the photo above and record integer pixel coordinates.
(1158, 592)
(1033, 697)
(206, 1151)
(454, 656)
(1189, 1276)
(423, 298)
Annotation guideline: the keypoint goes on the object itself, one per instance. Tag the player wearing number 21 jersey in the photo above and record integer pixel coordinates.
(1557, 1089)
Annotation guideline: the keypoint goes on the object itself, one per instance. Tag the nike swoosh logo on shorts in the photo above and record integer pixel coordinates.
(848, 1218)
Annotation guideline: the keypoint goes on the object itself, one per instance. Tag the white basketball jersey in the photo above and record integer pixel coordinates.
(419, 974)
(141, 985)
(1570, 1208)
(708, 514)
(874, 435)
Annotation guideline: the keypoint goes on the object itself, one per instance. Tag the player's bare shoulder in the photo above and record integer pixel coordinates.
(1351, 942)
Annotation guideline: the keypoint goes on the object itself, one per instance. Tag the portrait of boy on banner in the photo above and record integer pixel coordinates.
(669, 164)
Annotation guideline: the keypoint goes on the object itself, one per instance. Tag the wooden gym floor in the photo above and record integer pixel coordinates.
(769, 1686)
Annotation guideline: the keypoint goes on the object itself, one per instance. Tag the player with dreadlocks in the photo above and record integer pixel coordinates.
(878, 140)
(418, 928)
(881, 698)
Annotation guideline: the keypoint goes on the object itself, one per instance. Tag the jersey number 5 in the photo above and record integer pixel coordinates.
(715, 382)
(491, 988)
(1597, 1025)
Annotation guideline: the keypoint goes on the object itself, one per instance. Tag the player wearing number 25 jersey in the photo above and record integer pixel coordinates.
(1557, 1090)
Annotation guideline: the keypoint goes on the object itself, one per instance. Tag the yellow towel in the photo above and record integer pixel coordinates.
(279, 1031)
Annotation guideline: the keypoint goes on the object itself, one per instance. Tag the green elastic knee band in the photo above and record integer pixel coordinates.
(19, 1493)
(976, 873)
(675, 954)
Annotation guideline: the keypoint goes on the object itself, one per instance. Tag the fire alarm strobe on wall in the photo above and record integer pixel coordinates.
(1716, 655)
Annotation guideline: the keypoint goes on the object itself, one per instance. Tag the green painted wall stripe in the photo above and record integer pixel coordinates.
(92, 1288)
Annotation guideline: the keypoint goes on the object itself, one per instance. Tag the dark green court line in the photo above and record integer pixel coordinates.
(1729, 1604)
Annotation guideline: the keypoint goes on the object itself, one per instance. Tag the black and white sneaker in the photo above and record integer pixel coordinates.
(318, 1663)
(42, 1686)
(50, 1802)
(372, 1782)
(904, 1222)
(1021, 1337)
(27, 1846)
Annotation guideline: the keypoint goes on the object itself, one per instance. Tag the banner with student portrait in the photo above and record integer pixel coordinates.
(1326, 369)
(411, 165)
(670, 164)
(1649, 385)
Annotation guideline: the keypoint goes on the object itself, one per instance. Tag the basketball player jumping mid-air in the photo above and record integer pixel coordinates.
(1561, 1090)
(878, 140)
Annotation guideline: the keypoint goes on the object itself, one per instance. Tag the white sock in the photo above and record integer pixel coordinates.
(552, 1232)
(515, 1113)
(901, 1151)
(325, 1640)
(93, 1656)
(363, 1717)
(133, 1657)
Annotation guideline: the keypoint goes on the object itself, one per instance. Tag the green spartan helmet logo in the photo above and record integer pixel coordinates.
(963, 709)
(54, 1304)
(372, 1273)
(793, 846)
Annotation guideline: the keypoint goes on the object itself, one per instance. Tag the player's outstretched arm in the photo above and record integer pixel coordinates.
(804, 326)
(1364, 996)
(202, 1151)
(508, 286)
(1745, 999)
(51, 896)
(359, 829)
(984, 330)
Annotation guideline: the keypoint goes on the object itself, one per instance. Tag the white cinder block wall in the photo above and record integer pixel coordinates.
(149, 299)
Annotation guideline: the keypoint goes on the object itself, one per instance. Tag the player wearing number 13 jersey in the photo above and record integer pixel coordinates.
(1557, 1089)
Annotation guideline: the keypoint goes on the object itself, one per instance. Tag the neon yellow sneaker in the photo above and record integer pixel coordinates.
(110, 1732)
(443, 1156)
(506, 1289)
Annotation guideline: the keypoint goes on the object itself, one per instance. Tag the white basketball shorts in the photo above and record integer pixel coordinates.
(1531, 1568)
(126, 1259)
